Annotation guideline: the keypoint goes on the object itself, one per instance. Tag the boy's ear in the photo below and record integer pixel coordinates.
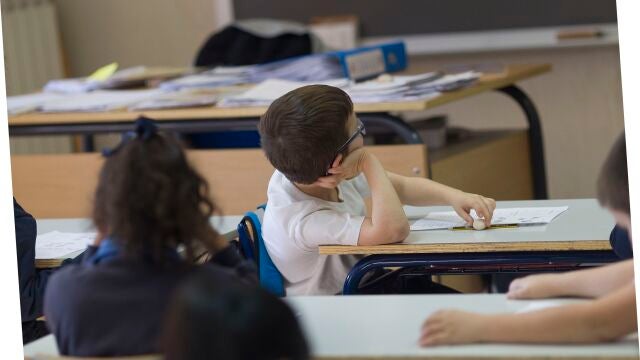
(337, 161)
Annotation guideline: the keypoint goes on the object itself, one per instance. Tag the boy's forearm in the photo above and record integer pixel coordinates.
(593, 282)
(420, 191)
(563, 324)
(385, 203)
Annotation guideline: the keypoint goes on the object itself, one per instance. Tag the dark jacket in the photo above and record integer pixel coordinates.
(235, 46)
(620, 242)
(32, 281)
(116, 307)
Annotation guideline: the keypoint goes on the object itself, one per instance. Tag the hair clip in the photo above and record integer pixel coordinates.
(145, 129)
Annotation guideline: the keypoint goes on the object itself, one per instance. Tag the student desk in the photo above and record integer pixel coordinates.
(387, 327)
(225, 225)
(578, 237)
(246, 118)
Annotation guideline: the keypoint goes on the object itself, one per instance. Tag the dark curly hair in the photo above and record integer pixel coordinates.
(150, 199)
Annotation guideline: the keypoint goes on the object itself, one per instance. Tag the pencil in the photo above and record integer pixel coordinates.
(497, 226)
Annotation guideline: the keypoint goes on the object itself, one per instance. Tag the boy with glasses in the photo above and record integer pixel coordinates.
(317, 194)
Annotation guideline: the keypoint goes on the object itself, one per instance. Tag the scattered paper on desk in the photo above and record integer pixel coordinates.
(29, 102)
(521, 216)
(58, 245)
(204, 80)
(72, 85)
(269, 90)
(178, 99)
(102, 100)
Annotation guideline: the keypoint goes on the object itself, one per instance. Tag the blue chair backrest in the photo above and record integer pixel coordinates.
(254, 248)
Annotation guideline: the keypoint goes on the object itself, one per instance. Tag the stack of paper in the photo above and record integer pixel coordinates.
(101, 100)
(72, 86)
(204, 80)
(269, 90)
(30, 102)
(520, 216)
(179, 99)
(409, 88)
(310, 68)
(59, 245)
(397, 88)
(217, 77)
(122, 78)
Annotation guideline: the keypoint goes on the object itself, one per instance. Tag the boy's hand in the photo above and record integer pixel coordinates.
(533, 287)
(463, 202)
(452, 327)
(343, 169)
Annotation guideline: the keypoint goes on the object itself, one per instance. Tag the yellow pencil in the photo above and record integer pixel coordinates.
(498, 226)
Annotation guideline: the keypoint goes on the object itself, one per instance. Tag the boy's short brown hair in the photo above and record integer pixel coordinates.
(613, 182)
(302, 130)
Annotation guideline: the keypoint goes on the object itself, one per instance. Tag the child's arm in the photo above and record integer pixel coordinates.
(606, 319)
(424, 192)
(388, 222)
(594, 282)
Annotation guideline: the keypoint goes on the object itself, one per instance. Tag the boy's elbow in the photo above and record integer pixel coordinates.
(399, 232)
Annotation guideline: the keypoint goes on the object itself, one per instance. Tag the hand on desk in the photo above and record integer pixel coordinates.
(463, 202)
(533, 287)
(446, 327)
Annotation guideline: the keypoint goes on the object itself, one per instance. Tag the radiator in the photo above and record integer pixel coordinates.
(32, 56)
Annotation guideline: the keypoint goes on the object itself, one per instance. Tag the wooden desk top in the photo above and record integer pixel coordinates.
(512, 74)
(584, 226)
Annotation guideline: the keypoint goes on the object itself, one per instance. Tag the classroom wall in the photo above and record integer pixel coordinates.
(580, 105)
(136, 32)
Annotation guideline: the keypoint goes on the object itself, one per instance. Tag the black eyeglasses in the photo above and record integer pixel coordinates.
(360, 130)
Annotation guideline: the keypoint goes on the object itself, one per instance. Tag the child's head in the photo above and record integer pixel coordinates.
(302, 131)
(150, 200)
(212, 317)
(613, 184)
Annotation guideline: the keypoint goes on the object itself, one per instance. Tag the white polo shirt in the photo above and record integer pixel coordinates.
(295, 224)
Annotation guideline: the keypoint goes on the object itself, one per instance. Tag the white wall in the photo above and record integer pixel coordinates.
(136, 32)
(579, 101)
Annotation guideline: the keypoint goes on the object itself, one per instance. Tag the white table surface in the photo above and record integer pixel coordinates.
(388, 326)
(584, 220)
(225, 225)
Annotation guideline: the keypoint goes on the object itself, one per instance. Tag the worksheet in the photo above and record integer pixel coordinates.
(59, 245)
(507, 216)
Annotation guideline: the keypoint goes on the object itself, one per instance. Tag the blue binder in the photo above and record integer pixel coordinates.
(371, 61)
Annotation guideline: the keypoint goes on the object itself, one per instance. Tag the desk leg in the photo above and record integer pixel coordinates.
(535, 139)
(88, 144)
(478, 263)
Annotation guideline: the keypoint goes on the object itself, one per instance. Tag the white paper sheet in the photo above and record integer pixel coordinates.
(521, 216)
(59, 245)
(269, 90)
(29, 102)
(101, 100)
